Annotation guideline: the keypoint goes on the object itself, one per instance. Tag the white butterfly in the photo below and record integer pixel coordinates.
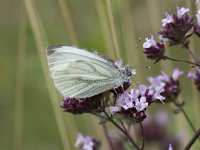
(81, 74)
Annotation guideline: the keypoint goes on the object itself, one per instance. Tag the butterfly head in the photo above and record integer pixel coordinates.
(124, 80)
(128, 70)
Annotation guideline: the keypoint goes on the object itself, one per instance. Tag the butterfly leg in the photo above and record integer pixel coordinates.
(115, 91)
(122, 88)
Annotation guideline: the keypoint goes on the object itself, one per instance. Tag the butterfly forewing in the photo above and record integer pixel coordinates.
(80, 74)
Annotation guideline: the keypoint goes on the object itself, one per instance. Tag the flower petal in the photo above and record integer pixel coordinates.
(176, 73)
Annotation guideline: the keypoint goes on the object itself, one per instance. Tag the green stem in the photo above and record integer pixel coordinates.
(192, 54)
(108, 137)
(123, 131)
(180, 106)
(188, 119)
(142, 132)
(178, 60)
(191, 142)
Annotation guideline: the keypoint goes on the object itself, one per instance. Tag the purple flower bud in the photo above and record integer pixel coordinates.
(125, 101)
(141, 104)
(133, 71)
(153, 49)
(79, 139)
(197, 25)
(197, 30)
(122, 100)
(172, 88)
(81, 106)
(134, 93)
(198, 17)
(181, 11)
(157, 95)
(170, 147)
(142, 89)
(169, 86)
(192, 75)
(164, 76)
(85, 142)
(114, 109)
(155, 82)
(196, 77)
(177, 28)
(167, 20)
(176, 73)
(150, 42)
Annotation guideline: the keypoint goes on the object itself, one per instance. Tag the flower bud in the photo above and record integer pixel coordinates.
(177, 28)
(153, 49)
(76, 106)
(86, 142)
(196, 77)
(170, 84)
(197, 25)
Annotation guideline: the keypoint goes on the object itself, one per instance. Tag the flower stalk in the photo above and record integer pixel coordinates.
(192, 141)
(178, 60)
(192, 54)
(122, 130)
(142, 134)
(180, 107)
(107, 136)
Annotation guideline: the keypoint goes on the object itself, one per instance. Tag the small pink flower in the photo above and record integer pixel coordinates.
(176, 73)
(150, 42)
(176, 29)
(182, 11)
(166, 85)
(85, 142)
(196, 77)
(198, 17)
(192, 75)
(197, 25)
(170, 147)
(154, 50)
(167, 20)
(141, 104)
(133, 71)
(114, 109)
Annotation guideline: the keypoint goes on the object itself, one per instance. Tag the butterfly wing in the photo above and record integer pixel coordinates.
(78, 73)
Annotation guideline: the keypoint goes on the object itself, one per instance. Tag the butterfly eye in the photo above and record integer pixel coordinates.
(128, 71)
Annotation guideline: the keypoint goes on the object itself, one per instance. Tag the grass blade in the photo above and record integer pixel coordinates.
(68, 22)
(113, 30)
(19, 95)
(41, 43)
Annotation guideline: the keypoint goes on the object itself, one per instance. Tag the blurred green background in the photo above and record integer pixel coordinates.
(31, 118)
